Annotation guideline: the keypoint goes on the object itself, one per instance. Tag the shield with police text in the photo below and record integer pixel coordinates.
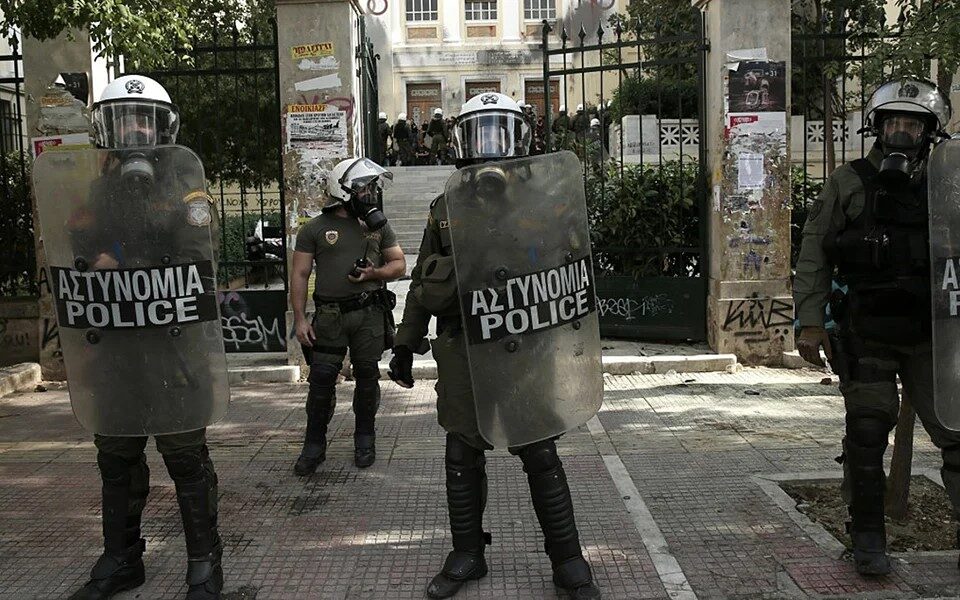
(944, 210)
(521, 249)
(129, 238)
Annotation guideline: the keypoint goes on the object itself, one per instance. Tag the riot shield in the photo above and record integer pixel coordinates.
(129, 238)
(521, 250)
(944, 210)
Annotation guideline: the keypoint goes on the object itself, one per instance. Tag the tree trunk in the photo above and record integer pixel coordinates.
(898, 484)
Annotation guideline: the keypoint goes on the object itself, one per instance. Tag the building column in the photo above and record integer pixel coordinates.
(750, 302)
(43, 61)
(327, 96)
(511, 21)
(451, 12)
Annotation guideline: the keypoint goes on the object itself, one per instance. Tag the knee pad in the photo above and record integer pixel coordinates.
(540, 457)
(461, 455)
(866, 438)
(951, 458)
(366, 369)
(187, 465)
(323, 374)
(122, 470)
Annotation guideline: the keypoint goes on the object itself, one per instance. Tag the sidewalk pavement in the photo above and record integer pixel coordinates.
(671, 487)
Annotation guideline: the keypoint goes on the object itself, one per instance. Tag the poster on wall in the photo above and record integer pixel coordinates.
(320, 127)
(756, 98)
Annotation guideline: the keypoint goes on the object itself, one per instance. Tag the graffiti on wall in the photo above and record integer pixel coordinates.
(758, 318)
(253, 320)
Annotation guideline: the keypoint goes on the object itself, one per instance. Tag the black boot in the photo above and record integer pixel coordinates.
(120, 567)
(366, 401)
(321, 400)
(196, 483)
(554, 508)
(466, 499)
(864, 446)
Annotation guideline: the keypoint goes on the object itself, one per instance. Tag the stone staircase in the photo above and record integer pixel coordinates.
(407, 201)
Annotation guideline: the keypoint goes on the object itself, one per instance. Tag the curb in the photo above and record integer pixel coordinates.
(620, 365)
(19, 377)
(268, 374)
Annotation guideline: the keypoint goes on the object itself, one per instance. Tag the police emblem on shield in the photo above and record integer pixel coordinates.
(332, 237)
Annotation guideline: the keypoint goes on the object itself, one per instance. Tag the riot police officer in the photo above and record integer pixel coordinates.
(133, 118)
(385, 137)
(355, 251)
(560, 127)
(490, 127)
(870, 223)
(438, 134)
(404, 139)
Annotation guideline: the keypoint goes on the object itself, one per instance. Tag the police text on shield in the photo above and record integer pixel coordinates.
(135, 298)
(530, 303)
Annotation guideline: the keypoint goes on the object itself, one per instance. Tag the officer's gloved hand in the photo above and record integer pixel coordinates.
(809, 343)
(401, 366)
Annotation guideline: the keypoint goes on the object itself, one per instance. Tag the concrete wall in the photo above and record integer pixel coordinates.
(750, 304)
(43, 61)
(304, 169)
(19, 334)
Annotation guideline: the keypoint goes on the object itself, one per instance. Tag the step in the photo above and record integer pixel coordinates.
(18, 378)
(263, 374)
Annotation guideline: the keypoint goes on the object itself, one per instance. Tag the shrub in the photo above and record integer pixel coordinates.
(17, 273)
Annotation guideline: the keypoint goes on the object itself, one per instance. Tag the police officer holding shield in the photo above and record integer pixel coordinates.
(355, 252)
(870, 224)
(508, 388)
(143, 348)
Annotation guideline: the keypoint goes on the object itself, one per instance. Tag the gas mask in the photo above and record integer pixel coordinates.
(136, 170)
(365, 202)
(904, 142)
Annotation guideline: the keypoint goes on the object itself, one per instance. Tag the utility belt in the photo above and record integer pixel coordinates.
(379, 297)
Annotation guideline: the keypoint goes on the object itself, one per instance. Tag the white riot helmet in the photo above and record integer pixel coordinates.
(579, 108)
(438, 112)
(490, 126)
(402, 117)
(563, 108)
(134, 110)
(909, 95)
(382, 116)
(357, 185)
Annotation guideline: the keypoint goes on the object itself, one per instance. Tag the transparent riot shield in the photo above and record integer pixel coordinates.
(521, 249)
(944, 210)
(129, 238)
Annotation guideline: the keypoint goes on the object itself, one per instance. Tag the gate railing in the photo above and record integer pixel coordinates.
(641, 89)
(369, 101)
(228, 96)
(18, 267)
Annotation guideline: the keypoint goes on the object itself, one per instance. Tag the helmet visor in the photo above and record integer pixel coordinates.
(902, 131)
(493, 134)
(129, 124)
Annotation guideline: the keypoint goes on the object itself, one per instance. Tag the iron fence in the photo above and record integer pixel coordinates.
(18, 268)
(639, 118)
(228, 97)
(369, 100)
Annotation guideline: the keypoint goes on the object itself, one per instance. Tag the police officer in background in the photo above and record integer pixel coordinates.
(560, 127)
(438, 135)
(134, 116)
(870, 222)
(404, 139)
(495, 123)
(385, 136)
(355, 251)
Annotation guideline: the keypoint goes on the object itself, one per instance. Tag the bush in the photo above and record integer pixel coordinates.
(802, 194)
(670, 98)
(639, 223)
(17, 273)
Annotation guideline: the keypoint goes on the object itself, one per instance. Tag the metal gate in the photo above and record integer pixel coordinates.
(641, 90)
(369, 100)
(228, 97)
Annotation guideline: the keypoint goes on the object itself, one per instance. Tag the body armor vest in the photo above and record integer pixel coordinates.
(883, 256)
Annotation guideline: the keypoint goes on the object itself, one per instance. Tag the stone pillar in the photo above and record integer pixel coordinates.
(511, 21)
(42, 63)
(450, 15)
(305, 92)
(750, 303)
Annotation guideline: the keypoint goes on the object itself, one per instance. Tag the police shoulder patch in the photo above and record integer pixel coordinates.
(198, 208)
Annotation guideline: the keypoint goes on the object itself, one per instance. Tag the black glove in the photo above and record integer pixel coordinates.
(401, 366)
